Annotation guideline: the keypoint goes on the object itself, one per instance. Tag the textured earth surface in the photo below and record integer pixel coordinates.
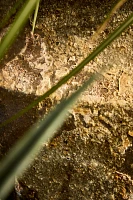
(90, 157)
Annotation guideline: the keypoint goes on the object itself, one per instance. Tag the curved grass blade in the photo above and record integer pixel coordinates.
(35, 16)
(20, 157)
(76, 70)
(106, 21)
(16, 26)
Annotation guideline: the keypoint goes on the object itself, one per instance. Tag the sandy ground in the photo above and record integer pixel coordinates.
(91, 156)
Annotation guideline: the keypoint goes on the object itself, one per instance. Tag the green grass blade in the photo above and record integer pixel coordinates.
(115, 7)
(16, 26)
(35, 16)
(76, 70)
(27, 147)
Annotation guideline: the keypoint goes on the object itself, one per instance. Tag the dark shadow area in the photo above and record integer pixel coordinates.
(127, 167)
(5, 7)
(10, 104)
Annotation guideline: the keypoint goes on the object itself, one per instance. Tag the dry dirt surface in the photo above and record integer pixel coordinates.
(91, 156)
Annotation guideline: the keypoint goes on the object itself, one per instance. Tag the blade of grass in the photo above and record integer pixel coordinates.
(106, 21)
(26, 148)
(16, 26)
(35, 16)
(76, 70)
